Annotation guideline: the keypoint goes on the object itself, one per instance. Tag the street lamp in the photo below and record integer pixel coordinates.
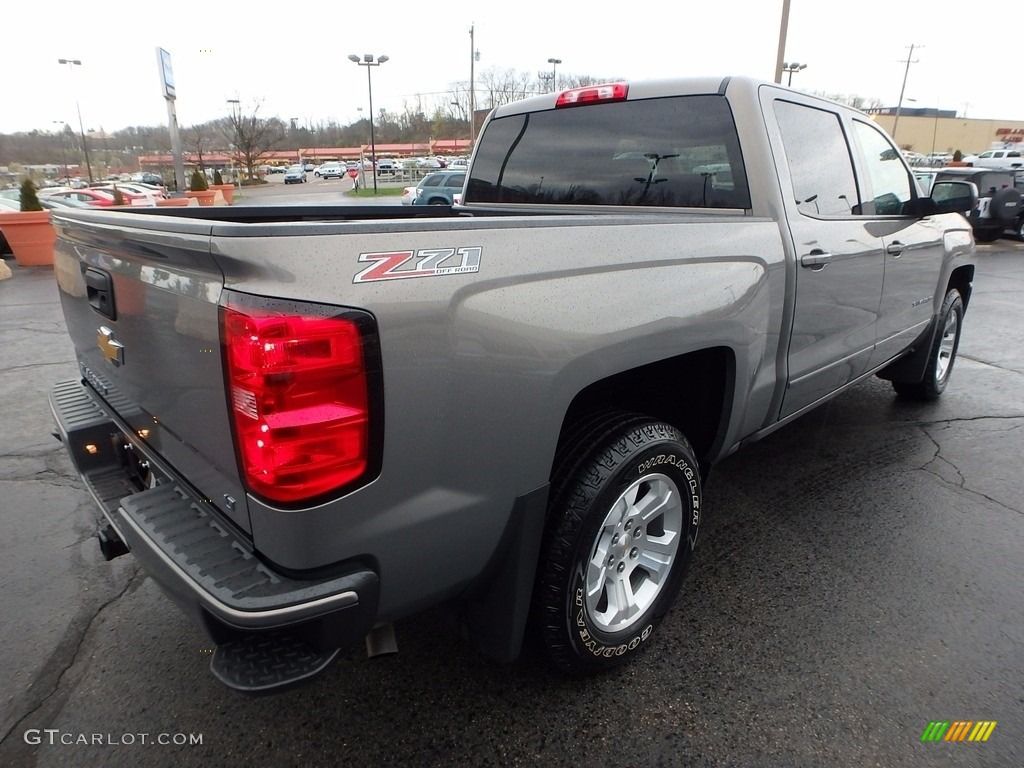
(72, 63)
(236, 119)
(367, 61)
(474, 56)
(792, 67)
(63, 155)
(554, 72)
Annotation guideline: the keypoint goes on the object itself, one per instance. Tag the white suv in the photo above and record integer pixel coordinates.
(330, 171)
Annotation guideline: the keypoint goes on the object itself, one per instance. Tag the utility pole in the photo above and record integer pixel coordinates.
(899, 105)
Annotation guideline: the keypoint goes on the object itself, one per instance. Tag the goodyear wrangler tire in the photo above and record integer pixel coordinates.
(942, 355)
(622, 524)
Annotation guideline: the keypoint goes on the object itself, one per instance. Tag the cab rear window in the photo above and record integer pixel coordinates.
(681, 151)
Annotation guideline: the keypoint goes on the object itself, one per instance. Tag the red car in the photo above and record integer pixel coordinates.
(97, 197)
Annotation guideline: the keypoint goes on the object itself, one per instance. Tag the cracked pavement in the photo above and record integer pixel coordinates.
(860, 573)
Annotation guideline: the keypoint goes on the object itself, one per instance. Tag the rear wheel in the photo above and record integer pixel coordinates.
(943, 352)
(622, 524)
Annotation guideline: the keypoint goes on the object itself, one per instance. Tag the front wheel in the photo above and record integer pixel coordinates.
(622, 524)
(943, 352)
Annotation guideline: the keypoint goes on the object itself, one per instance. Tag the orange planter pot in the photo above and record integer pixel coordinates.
(30, 235)
(205, 197)
(228, 190)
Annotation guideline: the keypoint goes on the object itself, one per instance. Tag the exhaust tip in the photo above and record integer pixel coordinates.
(381, 641)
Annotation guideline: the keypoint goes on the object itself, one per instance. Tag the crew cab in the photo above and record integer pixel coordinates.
(308, 422)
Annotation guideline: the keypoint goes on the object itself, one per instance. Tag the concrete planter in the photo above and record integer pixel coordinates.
(30, 235)
(228, 190)
(205, 196)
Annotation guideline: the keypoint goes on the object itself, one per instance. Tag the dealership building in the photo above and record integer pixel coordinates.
(940, 130)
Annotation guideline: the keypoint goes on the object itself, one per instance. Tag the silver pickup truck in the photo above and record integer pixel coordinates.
(307, 423)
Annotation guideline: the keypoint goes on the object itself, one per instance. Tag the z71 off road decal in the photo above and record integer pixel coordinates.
(428, 262)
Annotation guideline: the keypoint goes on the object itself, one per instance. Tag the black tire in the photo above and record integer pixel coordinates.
(607, 574)
(986, 235)
(1019, 226)
(438, 201)
(1006, 205)
(942, 354)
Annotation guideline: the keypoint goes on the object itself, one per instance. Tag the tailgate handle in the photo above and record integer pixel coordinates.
(100, 289)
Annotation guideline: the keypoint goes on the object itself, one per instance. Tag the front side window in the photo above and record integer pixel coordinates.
(890, 181)
(680, 151)
(819, 160)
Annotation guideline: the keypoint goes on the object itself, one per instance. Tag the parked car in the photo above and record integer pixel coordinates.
(148, 178)
(136, 194)
(1000, 206)
(295, 174)
(100, 198)
(388, 166)
(996, 158)
(309, 167)
(276, 169)
(938, 158)
(330, 171)
(438, 188)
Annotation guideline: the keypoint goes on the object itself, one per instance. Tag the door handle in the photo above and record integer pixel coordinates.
(895, 249)
(816, 259)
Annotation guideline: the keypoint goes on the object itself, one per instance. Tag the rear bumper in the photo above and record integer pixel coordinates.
(205, 565)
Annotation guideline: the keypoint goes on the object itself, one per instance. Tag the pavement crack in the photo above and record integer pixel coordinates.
(66, 659)
(938, 457)
(990, 364)
(961, 483)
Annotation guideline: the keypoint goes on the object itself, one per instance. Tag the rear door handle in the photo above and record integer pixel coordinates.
(816, 259)
(895, 249)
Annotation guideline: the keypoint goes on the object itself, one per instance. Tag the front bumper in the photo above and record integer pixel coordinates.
(211, 570)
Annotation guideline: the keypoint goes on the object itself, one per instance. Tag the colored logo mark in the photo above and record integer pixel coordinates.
(958, 730)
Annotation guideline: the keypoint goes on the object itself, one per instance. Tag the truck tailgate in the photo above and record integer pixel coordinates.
(143, 316)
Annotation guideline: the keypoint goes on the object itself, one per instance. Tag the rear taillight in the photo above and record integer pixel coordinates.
(299, 394)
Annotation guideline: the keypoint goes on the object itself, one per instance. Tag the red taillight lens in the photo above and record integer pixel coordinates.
(298, 391)
(592, 93)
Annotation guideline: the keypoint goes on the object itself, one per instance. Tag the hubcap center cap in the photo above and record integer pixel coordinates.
(623, 546)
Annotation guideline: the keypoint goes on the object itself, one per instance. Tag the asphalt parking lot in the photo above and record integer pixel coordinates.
(859, 577)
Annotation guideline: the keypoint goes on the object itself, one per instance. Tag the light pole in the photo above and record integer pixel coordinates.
(63, 154)
(72, 63)
(791, 67)
(368, 62)
(236, 119)
(474, 57)
(554, 72)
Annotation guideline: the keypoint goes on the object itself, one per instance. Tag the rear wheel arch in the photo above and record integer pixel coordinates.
(692, 392)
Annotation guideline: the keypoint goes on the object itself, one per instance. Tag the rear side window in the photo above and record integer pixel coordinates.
(819, 160)
(680, 152)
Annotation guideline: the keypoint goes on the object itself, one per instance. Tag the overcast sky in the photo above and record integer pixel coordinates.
(293, 56)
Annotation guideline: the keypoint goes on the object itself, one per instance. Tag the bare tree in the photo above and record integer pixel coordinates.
(200, 140)
(253, 136)
(496, 87)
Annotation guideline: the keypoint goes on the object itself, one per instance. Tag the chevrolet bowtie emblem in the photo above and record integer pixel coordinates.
(112, 349)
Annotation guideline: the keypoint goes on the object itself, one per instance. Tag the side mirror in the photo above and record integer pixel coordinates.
(954, 196)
